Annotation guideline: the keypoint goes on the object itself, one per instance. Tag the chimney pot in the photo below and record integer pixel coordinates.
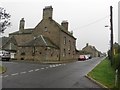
(65, 24)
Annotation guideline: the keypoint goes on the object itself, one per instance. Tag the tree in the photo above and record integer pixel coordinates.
(4, 20)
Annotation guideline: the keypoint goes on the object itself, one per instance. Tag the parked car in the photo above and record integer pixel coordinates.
(5, 55)
(89, 56)
(82, 58)
(86, 57)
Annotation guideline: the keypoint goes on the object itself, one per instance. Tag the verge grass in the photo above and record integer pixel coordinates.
(104, 74)
(2, 69)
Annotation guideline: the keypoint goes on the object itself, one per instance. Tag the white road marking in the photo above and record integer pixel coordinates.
(37, 69)
(46, 67)
(10, 62)
(54, 66)
(6, 76)
(30, 71)
(42, 68)
(14, 74)
(57, 65)
(51, 66)
(23, 72)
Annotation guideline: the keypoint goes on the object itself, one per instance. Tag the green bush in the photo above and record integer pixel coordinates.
(116, 64)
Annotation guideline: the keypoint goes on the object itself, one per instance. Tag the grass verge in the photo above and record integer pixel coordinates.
(104, 74)
(2, 69)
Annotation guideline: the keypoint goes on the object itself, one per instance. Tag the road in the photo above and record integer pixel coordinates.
(66, 75)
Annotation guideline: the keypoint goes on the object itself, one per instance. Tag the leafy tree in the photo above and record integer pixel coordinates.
(4, 20)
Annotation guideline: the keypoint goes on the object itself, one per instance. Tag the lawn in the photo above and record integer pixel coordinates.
(104, 73)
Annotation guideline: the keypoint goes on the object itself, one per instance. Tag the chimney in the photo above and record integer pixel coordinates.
(22, 24)
(87, 44)
(47, 12)
(65, 24)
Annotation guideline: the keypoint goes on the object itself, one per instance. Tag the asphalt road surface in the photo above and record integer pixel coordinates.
(65, 75)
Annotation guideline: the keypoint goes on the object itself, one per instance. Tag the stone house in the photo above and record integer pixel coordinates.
(48, 41)
(91, 50)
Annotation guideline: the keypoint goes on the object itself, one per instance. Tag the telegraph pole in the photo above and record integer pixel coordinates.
(111, 28)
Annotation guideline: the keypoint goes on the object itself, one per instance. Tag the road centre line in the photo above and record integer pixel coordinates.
(6, 76)
(30, 71)
(23, 72)
(46, 67)
(42, 68)
(37, 69)
(14, 74)
(50, 66)
(54, 66)
(57, 65)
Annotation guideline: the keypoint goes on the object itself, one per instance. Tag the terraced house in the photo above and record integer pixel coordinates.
(48, 41)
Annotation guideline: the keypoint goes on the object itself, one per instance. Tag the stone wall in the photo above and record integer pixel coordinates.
(37, 54)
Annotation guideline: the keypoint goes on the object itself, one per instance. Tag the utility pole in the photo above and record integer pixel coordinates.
(111, 28)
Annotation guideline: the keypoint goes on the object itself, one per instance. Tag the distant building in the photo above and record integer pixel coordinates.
(48, 41)
(91, 50)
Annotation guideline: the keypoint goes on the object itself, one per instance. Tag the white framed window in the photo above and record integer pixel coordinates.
(64, 53)
(33, 50)
(64, 40)
(45, 29)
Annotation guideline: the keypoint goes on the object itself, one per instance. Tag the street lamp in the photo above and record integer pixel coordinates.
(111, 45)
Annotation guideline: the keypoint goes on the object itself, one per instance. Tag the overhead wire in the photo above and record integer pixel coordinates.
(94, 22)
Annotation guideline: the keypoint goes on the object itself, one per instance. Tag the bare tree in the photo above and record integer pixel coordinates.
(4, 20)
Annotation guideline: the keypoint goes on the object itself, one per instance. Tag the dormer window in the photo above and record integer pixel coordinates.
(46, 29)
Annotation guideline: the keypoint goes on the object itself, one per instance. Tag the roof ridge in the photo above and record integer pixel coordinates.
(63, 29)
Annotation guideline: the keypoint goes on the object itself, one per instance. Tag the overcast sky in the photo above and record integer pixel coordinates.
(87, 18)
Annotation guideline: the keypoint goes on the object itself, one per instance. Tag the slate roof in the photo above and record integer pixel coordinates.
(63, 29)
(8, 43)
(39, 41)
(90, 47)
(59, 26)
(3, 40)
(11, 47)
(26, 31)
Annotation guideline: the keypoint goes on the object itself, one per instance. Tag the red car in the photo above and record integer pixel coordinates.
(82, 58)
